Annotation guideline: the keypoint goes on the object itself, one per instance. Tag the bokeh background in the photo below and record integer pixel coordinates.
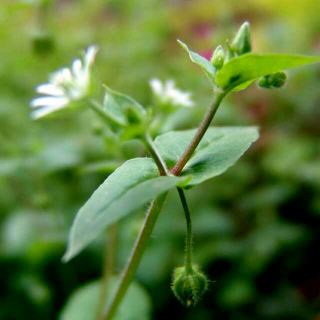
(256, 227)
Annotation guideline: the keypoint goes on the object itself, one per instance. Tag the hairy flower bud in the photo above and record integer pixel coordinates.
(218, 57)
(241, 43)
(273, 80)
(190, 286)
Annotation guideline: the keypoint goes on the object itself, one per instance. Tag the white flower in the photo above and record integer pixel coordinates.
(167, 93)
(65, 86)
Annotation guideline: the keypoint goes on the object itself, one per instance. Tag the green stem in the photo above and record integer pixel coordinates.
(147, 140)
(137, 253)
(108, 266)
(204, 125)
(189, 244)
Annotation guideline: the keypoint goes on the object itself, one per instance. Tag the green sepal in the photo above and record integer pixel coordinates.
(127, 118)
(124, 109)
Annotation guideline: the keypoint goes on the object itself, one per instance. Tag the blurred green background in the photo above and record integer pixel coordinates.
(256, 227)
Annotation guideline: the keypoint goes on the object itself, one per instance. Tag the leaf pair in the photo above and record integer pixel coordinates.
(241, 71)
(137, 182)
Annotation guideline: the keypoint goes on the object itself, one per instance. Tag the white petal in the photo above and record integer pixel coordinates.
(183, 99)
(50, 89)
(156, 86)
(76, 92)
(188, 103)
(169, 85)
(49, 101)
(67, 75)
(62, 76)
(90, 55)
(77, 68)
(41, 112)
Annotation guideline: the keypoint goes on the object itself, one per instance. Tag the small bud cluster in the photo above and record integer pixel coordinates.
(189, 285)
(273, 80)
(241, 44)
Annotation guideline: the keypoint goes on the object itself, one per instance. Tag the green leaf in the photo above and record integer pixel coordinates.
(121, 108)
(84, 302)
(127, 189)
(252, 66)
(219, 149)
(204, 64)
(106, 166)
(243, 86)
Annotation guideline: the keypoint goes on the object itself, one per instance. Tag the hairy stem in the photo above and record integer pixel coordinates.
(189, 243)
(204, 125)
(137, 253)
(108, 266)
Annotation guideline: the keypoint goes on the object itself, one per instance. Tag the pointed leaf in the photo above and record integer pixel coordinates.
(84, 302)
(219, 149)
(204, 64)
(127, 189)
(252, 66)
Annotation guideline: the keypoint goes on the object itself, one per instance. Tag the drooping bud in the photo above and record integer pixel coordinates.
(189, 286)
(273, 80)
(218, 56)
(241, 43)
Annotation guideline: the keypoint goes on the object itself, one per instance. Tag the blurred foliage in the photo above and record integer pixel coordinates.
(256, 227)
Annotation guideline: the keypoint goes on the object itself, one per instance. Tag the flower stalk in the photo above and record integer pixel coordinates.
(189, 244)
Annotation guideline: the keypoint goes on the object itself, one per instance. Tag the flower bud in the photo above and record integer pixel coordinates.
(189, 286)
(273, 80)
(241, 43)
(218, 57)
